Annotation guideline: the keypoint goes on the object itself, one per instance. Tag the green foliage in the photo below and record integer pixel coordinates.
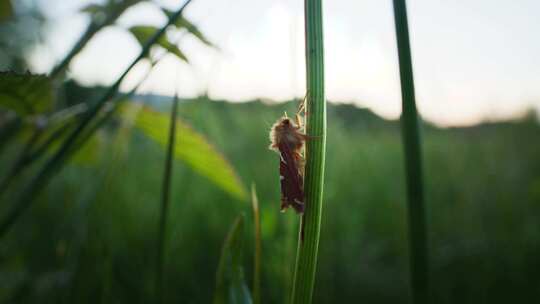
(144, 32)
(94, 9)
(109, 8)
(25, 93)
(184, 23)
(230, 285)
(192, 148)
(6, 10)
(482, 182)
(75, 137)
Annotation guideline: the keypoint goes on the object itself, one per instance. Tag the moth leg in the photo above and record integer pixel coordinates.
(302, 106)
(301, 110)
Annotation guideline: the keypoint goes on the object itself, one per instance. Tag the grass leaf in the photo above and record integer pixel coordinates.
(165, 202)
(93, 9)
(258, 247)
(183, 23)
(230, 285)
(143, 32)
(192, 148)
(413, 162)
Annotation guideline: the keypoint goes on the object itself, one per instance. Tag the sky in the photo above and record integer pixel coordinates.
(473, 60)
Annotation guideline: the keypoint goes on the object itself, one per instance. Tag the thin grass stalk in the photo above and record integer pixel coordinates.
(19, 161)
(29, 153)
(306, 260)
(92, 29)
(258, 247)
(66, 116)
(100, 120)
(413, 162)
(43, 176)
(115, 106)
(165, 199)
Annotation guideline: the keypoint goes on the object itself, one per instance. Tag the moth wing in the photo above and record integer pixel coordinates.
(292, 193)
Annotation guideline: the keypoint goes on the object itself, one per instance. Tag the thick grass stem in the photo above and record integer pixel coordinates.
(306, 260)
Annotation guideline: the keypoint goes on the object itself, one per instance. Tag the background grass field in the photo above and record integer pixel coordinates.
(91, 236)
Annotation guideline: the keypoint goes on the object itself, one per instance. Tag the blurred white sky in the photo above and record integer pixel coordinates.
(473, 59)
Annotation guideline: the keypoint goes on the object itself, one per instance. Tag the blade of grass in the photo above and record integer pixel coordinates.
(91, 30)
(43, 176)
(413, 162)
(34, 148)
(230, 285)
(258, 247)
(165, 198)
(306, 260)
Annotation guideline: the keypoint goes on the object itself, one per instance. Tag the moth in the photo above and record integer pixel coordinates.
(288, 141)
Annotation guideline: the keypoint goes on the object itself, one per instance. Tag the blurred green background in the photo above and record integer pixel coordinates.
(91, 236)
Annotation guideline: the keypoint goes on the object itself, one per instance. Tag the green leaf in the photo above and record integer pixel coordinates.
(192, 148)
(182, 22)
(144, 32)
(111, 8)
(231, 287)
(6, 10)
(93, 9)
(25, 93)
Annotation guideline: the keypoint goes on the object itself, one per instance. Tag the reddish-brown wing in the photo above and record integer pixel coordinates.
(292, 183)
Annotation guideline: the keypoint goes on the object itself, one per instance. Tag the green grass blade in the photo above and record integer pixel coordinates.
(230, 285)
(20, 161)
(306, 261)
(258, 247)
(165, 198)
(58, 159)
(413, 162)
